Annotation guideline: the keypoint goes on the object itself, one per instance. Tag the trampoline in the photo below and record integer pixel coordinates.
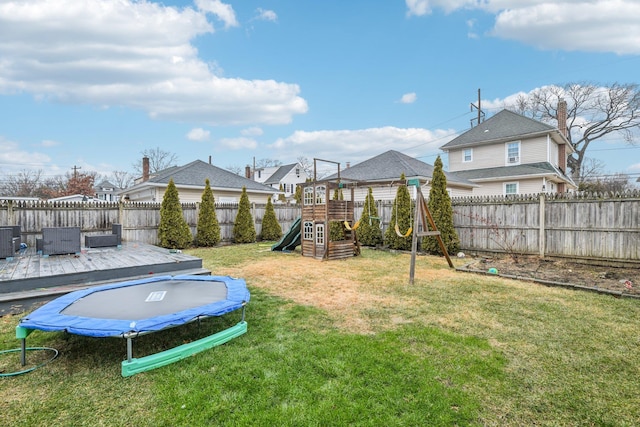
(133, 308)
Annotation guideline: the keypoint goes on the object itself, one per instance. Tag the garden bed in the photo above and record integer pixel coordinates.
(619, 281)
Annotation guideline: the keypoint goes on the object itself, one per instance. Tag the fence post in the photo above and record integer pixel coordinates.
(541, 237)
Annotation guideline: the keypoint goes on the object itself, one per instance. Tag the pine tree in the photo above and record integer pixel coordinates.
(243, 229)
(400, 215)
(369, 232)
(298, 195)
(271, 229)
(281, 196)
(208, 229)
(173, 230)
(440, 207)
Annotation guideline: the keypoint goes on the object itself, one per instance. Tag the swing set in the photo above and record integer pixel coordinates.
(423, 221)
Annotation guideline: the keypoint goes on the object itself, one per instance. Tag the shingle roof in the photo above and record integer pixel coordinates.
(280, 173)
(196, 172)
(542, 168)
(389, 165)
(504, 125)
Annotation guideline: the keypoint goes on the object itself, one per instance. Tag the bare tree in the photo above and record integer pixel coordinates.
(235, 169)
(23, 184)
(594, 179)
(593, 112)
(306, 164)
(267, 163)
(121, 179)
(159, 159)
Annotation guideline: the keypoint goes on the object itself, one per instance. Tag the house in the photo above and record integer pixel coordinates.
(190, 181)
(513, 154)
(72, 198)
(106, 191)
(287, 176)
(382, 173)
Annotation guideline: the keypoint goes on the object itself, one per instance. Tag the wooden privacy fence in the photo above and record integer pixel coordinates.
(572, 225)
(139, 220)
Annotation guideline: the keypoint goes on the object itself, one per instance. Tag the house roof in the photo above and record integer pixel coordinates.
(195, 173)
(505, 125)
(389, 165)
(280, 173)
(505, 172)
(104, 184)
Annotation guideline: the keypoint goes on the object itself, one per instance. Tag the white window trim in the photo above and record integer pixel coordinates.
(320, 234)
(504, 188)
(307, 230)
(506, 153)
(464, 157)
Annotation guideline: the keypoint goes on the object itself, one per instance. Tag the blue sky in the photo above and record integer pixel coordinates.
(92, 84)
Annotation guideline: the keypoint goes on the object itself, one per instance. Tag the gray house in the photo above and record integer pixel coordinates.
(382, 173)
(190, 181)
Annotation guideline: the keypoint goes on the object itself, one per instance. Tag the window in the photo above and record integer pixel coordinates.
(308, 230)
(510, 188)
(320, 194)
(308, 196)
(467, 155)
(320, 234)
(513, 153)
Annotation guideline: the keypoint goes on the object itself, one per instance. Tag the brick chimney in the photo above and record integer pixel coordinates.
(562, 148)
(247, 172)
(562, 117)
(145, 169)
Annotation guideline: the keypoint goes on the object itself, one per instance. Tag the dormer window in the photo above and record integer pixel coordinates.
(513, 153)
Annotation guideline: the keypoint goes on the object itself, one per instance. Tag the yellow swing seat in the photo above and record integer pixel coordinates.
(355, 226)
(407, 234)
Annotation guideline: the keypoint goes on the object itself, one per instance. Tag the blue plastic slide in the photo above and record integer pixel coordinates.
(291, 238)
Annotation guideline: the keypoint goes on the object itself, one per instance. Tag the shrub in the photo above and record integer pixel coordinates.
(208, 229)
(243, 229)
(173, 230)
(400, 215)
(440, 207)
(271, 229)
(369, 232)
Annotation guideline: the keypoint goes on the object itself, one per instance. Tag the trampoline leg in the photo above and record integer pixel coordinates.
(129, 349)
(243, 308)
(23, 351)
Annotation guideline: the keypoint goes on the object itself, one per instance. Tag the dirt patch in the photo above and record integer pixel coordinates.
(620, 280)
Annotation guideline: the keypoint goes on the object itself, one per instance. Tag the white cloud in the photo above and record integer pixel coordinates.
(132, 54)
(252, 131)
(408, 98)
(198, 134)
(357, 145)
(583, 25)
(223, 12)
(266, 15)
(241, 143)
(418, 7)
(13, 158)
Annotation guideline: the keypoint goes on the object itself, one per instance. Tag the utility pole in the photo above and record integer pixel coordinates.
(478, 107)
(75, 171)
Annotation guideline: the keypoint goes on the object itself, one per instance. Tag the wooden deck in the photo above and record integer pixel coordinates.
(29, 277)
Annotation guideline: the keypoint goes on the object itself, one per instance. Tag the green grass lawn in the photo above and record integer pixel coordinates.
(351, 343)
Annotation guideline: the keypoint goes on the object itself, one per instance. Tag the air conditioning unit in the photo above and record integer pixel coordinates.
(514, 159)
